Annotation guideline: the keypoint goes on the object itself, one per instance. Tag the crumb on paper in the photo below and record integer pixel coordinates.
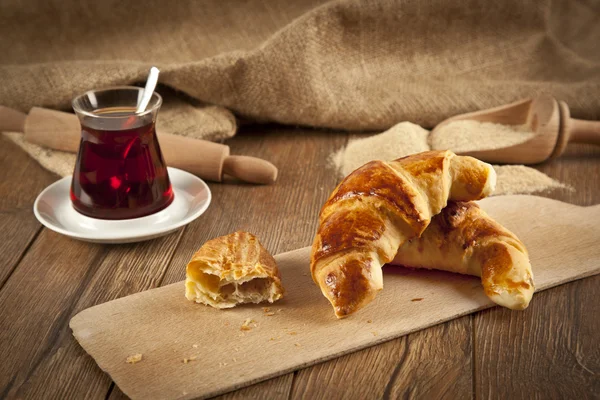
(269, 314)
(275, 338)
(236, 348)
(195, 346)
(304, 274)
(292, 333)
(266, 309)
(246, 325)
(189, 359)
(222, 364)
(369, 321)
(297, 344)
(234, 359)
(374, 333)
(135, 358)
(279, 310)
(417, 299)
(226, 323)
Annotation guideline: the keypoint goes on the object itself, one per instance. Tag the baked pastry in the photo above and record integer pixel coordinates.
(377, 208)
(464, 239)
(231, 270)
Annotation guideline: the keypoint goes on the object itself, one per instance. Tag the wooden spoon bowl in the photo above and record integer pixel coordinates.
(547, 118)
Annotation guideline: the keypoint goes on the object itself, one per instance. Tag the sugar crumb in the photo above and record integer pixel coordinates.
(195, 346)
(189, 359)
(297, 344)
(135, 358)
(369, 321)
(374, 333)
(246, 326)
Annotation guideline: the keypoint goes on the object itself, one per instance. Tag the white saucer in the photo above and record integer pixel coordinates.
(54, 210)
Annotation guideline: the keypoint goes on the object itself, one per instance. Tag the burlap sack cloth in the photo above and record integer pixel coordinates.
(351, 65)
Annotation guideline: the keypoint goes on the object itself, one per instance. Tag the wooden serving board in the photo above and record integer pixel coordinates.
(564, 245)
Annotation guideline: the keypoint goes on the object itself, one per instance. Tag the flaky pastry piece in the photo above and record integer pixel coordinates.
(464, 239)
(377, 208)
(231, 270)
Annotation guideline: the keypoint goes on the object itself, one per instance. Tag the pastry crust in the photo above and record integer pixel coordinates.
(464, 239)
(377, 208)
(231, 270)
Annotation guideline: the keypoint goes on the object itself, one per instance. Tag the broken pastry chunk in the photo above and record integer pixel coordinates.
(231, 270)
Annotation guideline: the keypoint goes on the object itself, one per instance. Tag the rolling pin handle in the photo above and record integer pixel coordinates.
(250, 169)
(11, 120)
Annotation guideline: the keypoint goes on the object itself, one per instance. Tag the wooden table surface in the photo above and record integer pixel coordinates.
(551, 350)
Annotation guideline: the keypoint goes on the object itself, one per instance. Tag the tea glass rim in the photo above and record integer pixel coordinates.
(87, 113)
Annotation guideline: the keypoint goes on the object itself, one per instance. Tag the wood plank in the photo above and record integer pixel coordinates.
(76, 276)
(549, 351)
(305, 331)
(116, 394)
(582, 162)
(578, 167)
(272, 389)
(44, 287)
(420, 365)
(21, 180)
(553, 347)
(283, 216)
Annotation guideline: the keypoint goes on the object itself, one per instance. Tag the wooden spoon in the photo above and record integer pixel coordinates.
(548, 119)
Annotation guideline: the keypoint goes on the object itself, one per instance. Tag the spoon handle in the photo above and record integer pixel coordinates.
(148, 90)
(584, 131)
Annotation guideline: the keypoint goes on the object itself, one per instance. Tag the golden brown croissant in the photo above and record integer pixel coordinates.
(230, 270)
(377, 208)
(464, 239)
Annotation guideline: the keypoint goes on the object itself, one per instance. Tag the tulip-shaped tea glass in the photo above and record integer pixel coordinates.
(120, 172)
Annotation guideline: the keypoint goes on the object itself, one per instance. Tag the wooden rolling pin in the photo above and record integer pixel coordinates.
(61, 131)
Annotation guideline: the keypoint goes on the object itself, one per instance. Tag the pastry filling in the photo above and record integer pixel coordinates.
(207, 288)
